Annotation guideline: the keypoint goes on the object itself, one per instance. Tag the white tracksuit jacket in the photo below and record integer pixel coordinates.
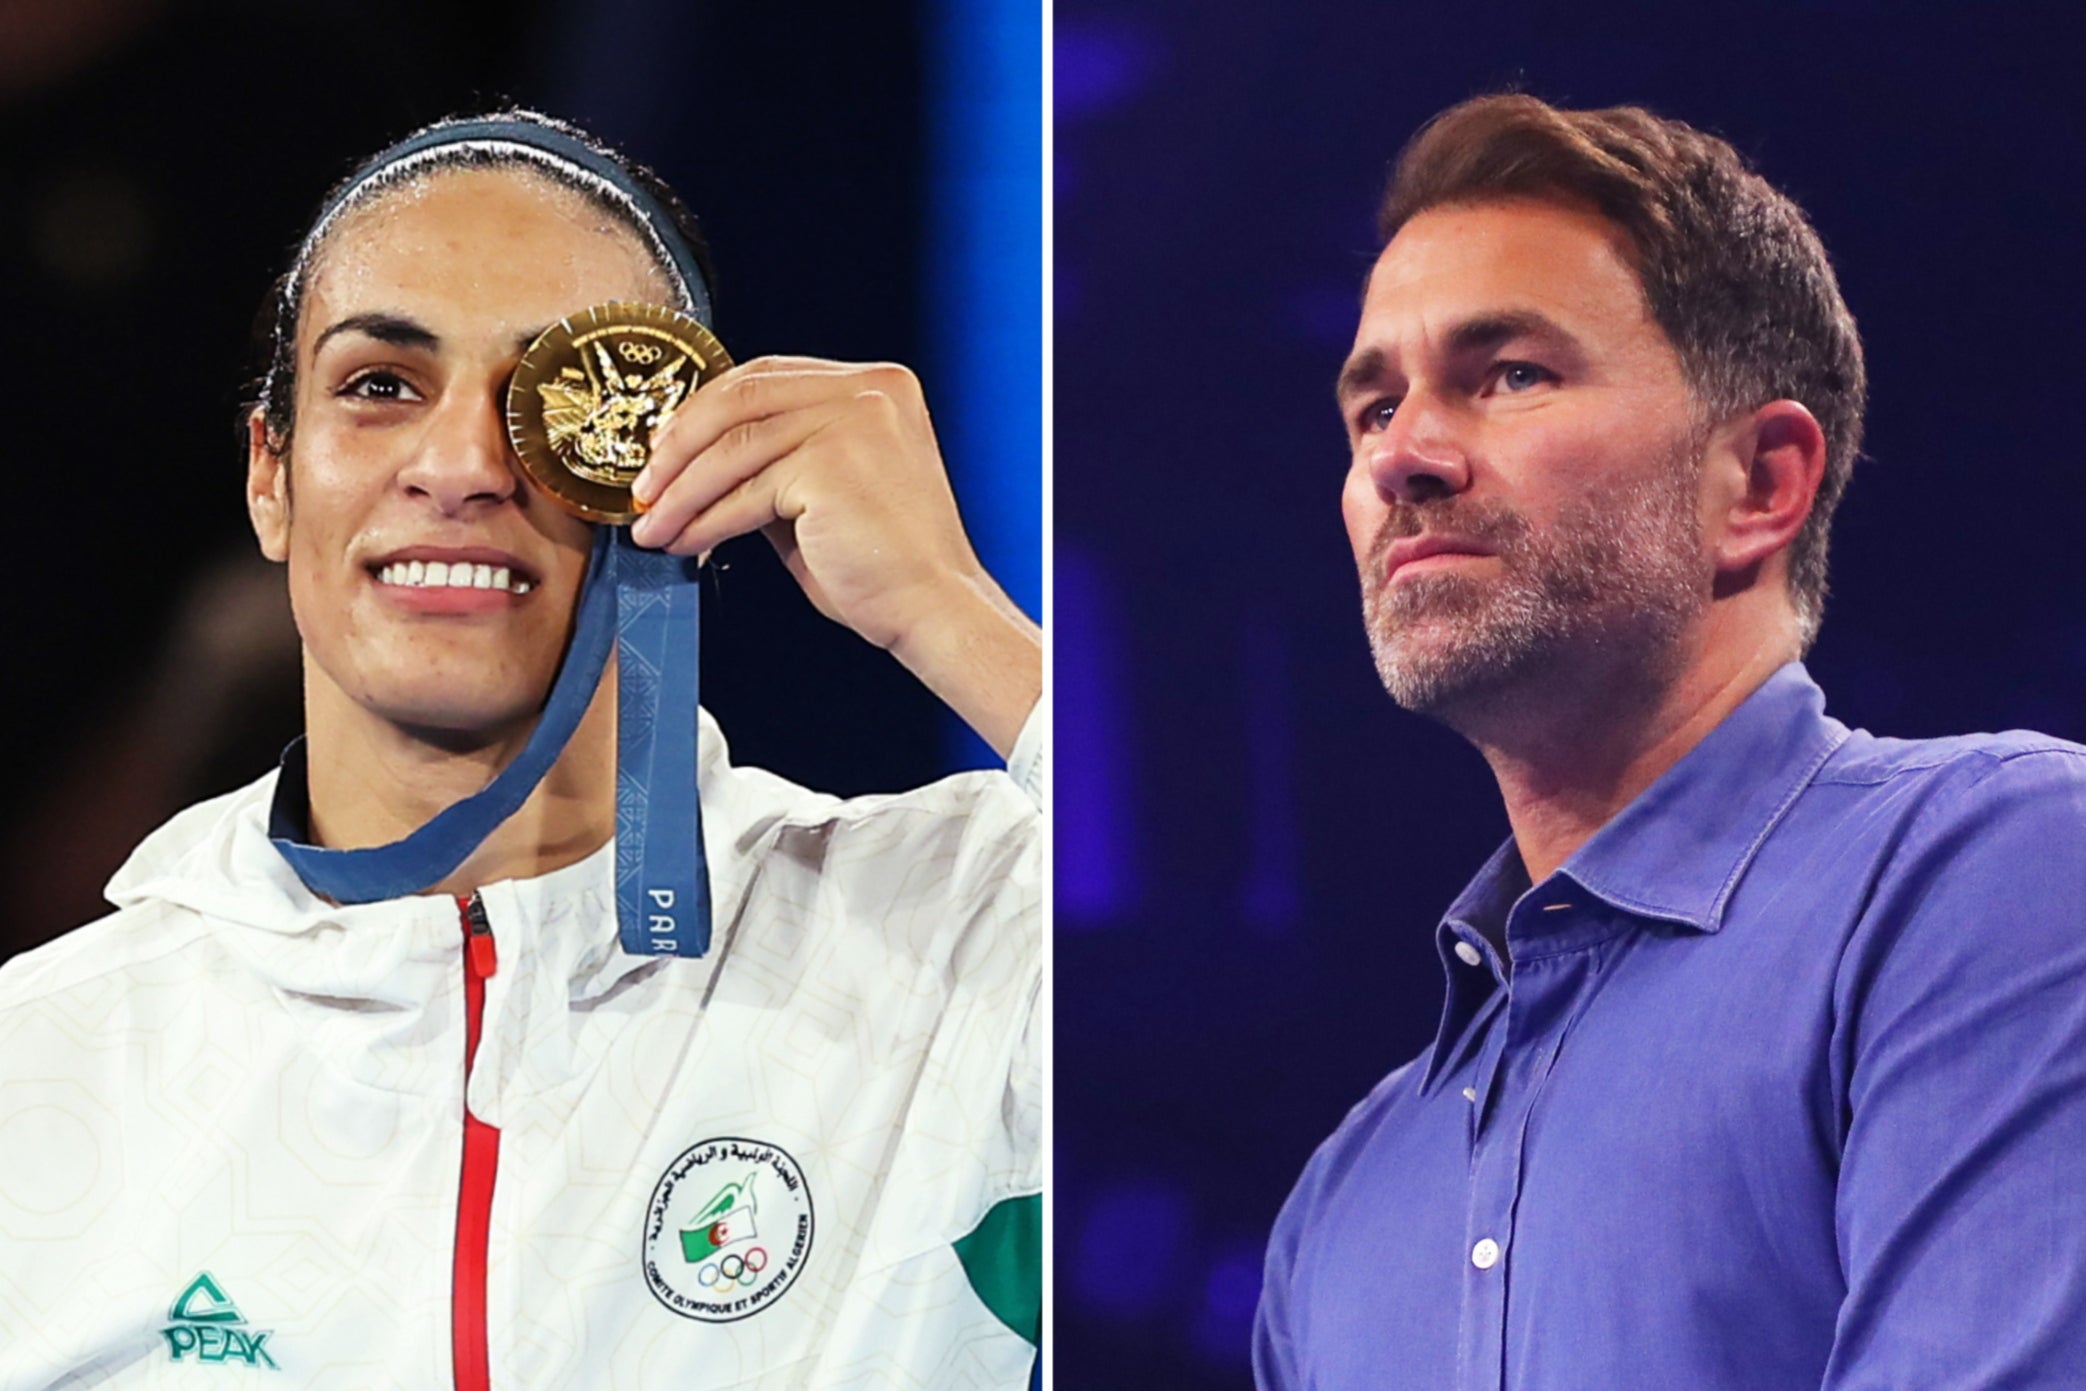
(232, 1115)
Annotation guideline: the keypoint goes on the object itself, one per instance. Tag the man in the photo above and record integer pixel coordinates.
(461, 1134)
(1763, 1059)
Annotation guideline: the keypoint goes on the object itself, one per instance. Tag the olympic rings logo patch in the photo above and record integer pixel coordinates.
(728, 1231)
(734, 1270)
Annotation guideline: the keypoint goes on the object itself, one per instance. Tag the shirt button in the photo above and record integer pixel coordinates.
(1485, 1254)
(1468, 954)
(1470, 1093)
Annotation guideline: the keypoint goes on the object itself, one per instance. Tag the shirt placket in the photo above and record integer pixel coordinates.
(1520, 1048)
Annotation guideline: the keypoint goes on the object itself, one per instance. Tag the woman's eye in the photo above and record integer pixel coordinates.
(379, 386)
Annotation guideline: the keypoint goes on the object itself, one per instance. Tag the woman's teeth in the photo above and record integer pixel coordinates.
(436, 574)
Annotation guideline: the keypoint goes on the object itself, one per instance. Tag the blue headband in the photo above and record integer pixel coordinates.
(537, 142)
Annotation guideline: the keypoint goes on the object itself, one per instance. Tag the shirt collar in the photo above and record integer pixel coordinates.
(1480, 911)
(289, 810)
(1469, 963)
(1677, 852)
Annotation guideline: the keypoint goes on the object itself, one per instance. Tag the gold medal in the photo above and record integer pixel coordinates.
(590, 392)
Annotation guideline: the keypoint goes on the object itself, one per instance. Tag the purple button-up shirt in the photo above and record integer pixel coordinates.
(1787, 1089)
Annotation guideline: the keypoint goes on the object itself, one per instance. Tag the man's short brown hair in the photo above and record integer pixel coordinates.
(1732, 270)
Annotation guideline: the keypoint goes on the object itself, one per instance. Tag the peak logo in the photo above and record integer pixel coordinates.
(204, 1324)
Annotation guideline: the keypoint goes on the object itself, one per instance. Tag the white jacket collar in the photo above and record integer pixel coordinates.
(215, 859)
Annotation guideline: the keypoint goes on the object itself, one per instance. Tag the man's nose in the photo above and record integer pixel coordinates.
(1420, 454)
(465, 458)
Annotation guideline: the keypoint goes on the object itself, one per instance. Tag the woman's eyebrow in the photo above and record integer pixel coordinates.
(399, 330)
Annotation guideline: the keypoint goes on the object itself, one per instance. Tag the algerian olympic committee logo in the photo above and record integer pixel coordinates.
(729, 1228)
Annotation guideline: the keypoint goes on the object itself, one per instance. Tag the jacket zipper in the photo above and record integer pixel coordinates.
(481, 1160)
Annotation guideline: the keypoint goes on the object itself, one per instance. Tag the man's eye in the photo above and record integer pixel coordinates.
(379, 385)
(1377, 414)
(1520, 376)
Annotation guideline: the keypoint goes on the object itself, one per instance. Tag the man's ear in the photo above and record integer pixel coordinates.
(1779, 452)
(267, 489)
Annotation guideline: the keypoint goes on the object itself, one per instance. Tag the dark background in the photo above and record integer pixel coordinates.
(159, 159)
(1253, 845)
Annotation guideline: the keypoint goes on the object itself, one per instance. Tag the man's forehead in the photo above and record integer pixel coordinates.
(1522, 260)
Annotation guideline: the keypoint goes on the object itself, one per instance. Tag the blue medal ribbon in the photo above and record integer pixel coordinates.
(645, 606)
(662, 880)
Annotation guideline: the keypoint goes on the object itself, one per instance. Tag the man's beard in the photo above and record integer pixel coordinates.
(1615, 578)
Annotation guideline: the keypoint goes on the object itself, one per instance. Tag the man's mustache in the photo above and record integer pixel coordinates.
(1492, 525)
